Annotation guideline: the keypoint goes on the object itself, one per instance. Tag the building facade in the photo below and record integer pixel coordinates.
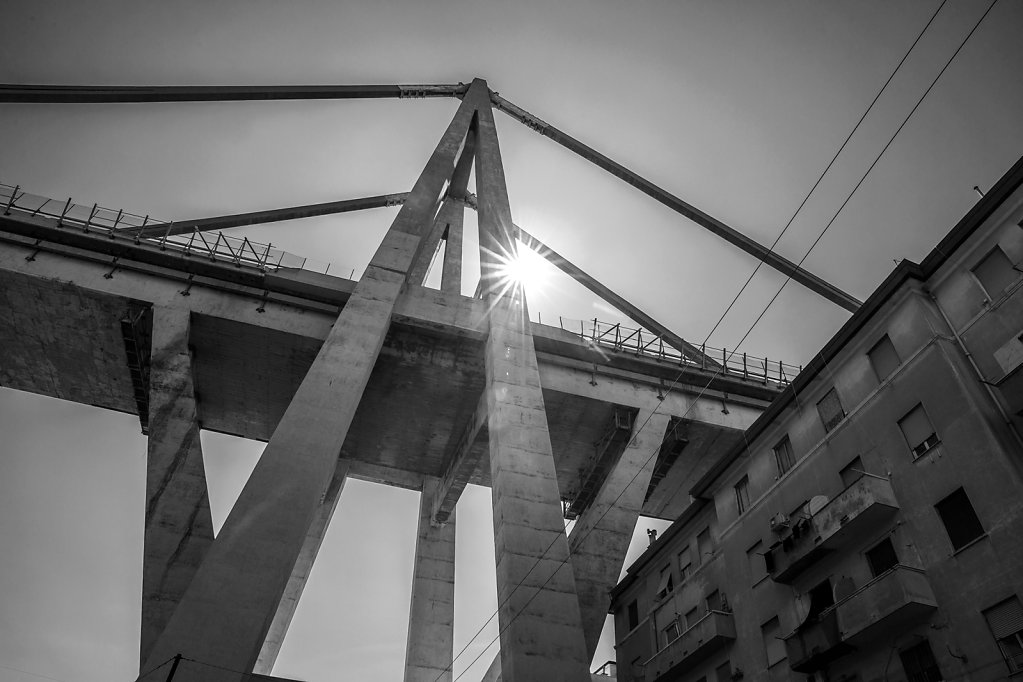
(870, 524)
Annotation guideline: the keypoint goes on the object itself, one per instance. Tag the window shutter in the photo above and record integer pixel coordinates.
(1006, 618)
(995, 272)
(883, 358)
(916, 426)
(662, 586)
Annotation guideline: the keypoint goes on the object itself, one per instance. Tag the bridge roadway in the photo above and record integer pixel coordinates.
(63, 301)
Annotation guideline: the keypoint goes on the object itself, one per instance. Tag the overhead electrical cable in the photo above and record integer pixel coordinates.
(717, 372)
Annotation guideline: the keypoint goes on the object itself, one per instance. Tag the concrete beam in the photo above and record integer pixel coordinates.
(215, 93)
(601, 536)
(300, 573)
(461, 464)
(178, 525)
(538, 612)
(431, 630)
(227, 611)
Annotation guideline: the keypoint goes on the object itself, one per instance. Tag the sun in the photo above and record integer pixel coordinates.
(527, 270)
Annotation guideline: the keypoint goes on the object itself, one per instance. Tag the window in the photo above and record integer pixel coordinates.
(1006, 623)
(783, 455)
(723, 673)
(715, 602)
(960, 520)
(919, 433)
(883, 358)
(852, 472)
(633, 615)
(685, 565)
(821, 597)
(773, 643)
(671, 632)
(692, 616)
(757, 562)
(703, 548)
(666, 583)
(742, 494)
(881, 557)
(995, 273)
(830, 410)
(919, 664)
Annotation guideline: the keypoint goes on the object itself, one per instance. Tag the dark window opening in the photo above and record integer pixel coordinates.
(918, 431)
(692, 616)
(703, 547)
(742, 494)
(822, 597)
(671, 632)
(1006, 623)
(881, 557)
(685, 565)
(783, 456)
(633, 615)
(960, 520)
(715, 602)
(883, 358)
(852, 472)
(995, 272)
(666, 584)
(919, 664)
(830, 410)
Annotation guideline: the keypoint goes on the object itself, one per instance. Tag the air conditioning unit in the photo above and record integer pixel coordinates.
(779, 522)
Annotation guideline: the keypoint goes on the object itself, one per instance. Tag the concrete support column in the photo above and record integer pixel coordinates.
(538, 612)
(300, 573)
(428, 652)
(228, 609)
(451, 277)
(601, 536)
(179, 529)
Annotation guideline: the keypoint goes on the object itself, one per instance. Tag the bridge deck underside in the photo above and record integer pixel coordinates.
(65, 341)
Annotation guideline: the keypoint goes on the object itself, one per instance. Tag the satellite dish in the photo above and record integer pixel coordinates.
(817, 503)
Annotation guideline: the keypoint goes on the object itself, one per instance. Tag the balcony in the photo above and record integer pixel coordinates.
(897, 599)
(709, 634)
(885, 606)
(813, 646)
(848, 518)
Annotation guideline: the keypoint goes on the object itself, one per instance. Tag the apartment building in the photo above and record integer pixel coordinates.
(870, 524)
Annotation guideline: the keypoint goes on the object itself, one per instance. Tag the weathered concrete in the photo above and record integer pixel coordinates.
(601, 536)
(179, 528)
(428, 653)
(227, 611)
(300, 573)
(462, 462)
(538, 612)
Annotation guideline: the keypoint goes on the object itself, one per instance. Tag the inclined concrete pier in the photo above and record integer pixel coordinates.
(431, 628)
(382, 380)
(179, 528)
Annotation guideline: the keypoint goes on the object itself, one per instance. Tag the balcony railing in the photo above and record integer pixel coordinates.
(900, 597)
(815, 645)
(715, 630)
(620, 339)
(853, 513)
(216, 246)
(884, 607)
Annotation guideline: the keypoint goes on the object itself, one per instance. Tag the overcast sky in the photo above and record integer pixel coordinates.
(735, 107)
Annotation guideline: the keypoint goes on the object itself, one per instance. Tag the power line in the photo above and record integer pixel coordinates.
(826, 169)
(748, 332)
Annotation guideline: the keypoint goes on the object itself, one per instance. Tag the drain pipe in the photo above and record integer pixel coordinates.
(976, 370)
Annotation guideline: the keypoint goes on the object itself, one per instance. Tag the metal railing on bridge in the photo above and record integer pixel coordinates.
(216, 246)
(620, 339)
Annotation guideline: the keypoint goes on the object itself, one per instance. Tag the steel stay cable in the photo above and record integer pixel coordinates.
(717, 372)
(831, 163)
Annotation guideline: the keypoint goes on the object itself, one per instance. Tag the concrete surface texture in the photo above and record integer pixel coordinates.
(380, 379)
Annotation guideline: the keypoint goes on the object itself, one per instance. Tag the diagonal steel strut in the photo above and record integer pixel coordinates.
(277, 215)
(750, 246)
